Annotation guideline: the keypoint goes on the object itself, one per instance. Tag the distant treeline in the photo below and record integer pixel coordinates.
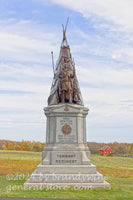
(21, 146)
(117, 148)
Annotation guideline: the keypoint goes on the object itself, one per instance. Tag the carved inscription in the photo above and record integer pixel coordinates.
(66, 130)
(66, 158)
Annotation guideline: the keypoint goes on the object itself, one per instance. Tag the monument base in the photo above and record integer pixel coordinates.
(79, 176)
(104, 185)
(66, 156)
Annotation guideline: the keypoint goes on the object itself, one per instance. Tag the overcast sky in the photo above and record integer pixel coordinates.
(100, 35)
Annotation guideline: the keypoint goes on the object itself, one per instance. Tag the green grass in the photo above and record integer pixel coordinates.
(103, 161)
(117, 171)
(121, 188)
(20, 155)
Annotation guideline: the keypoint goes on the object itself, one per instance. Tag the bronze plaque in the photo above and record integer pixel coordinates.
(66, 129)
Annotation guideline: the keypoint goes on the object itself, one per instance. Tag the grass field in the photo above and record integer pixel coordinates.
(15, 167)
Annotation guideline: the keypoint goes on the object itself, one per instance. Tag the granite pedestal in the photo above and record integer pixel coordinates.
(66, 156)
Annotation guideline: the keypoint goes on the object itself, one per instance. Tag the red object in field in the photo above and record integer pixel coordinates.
(106, 150)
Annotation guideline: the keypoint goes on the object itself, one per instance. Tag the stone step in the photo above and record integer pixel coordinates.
(67, 169)
(76, 186)
(66, 178)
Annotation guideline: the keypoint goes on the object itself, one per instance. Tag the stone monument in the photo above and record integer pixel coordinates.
(66, 156)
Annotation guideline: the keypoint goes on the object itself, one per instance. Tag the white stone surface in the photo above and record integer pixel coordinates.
(66, 156)
(76, 186)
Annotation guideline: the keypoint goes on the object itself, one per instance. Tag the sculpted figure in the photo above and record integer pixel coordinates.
(65, 88)
(66, 84)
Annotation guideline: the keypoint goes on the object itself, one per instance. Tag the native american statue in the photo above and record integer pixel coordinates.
(65, 87)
